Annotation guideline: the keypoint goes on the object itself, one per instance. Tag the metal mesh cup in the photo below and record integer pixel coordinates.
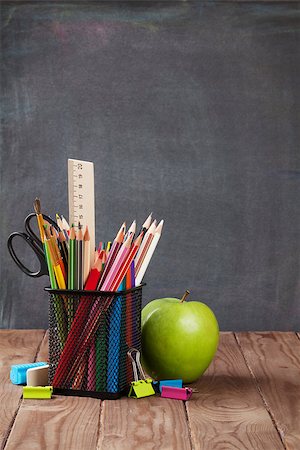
(90, 333)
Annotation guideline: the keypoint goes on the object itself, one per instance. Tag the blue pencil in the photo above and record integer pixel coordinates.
(114, 335)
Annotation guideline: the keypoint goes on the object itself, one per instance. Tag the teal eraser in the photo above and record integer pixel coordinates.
(18, 371)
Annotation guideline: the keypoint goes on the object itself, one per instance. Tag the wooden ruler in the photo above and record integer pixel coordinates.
(81, 188)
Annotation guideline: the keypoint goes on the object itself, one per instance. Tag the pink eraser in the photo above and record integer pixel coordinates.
(176, 393)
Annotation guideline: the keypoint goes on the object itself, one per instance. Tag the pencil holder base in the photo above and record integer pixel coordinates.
(92, 394)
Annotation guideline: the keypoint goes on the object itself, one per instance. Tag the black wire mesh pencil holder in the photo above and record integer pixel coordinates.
(90, 333)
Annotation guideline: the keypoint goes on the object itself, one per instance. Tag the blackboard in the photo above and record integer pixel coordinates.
(187, 109)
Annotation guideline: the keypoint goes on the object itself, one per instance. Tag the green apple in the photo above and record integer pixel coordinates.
(179, 338)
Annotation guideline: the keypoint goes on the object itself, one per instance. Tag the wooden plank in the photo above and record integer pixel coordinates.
(16, 347)
(274, 359)
(228, 411)
(59, 423)
(43, 354)
(146, 423)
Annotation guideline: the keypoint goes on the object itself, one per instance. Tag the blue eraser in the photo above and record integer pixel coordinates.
(172, 383)
(18, 371)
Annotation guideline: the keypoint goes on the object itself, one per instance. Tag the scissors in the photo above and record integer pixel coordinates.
(34, 242)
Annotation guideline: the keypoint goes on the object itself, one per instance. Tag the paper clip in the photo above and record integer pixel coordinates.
(139, 387)
(176, 393)
(37, 392)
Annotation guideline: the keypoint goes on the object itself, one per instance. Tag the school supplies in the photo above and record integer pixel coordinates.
(146, 224)
(37, 392)
(72, 271)
(34, 242)
(112, 254)
(79, 257)
(75, 362)
(145, 246)
(95, 306)
(149, 254)
(37, 376)
(141, 386)
(63, 226)
(18, 371)
(81, 191)
(172, 383)
(86, 255)
(176, 393)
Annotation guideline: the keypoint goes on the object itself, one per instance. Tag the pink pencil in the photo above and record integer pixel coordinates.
(120, 258)
(126, 264)
(112, 254)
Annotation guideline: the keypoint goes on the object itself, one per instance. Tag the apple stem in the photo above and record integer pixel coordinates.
(184, 296)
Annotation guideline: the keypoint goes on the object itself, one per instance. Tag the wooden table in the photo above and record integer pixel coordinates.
(249, 398)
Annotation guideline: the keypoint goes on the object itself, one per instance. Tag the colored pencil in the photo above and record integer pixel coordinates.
(77, 327)
(117, 264)
(145, 246)
(125, 266)
(91, 377)
(147, 259)
(131, 231)
(129, 320)
(96, 313)
(71, 259)
(112, 253)
(146, 224)
(86, 255)
(64, 249)
(66, 227)
(79, 257)
(114, 336)
(55, 259)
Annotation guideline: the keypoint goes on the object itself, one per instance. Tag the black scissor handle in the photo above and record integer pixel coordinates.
(37, 250)
(27, 222)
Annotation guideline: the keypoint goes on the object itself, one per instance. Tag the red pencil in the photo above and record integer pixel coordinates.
(122, 272)
(100, 305)
(77, 327)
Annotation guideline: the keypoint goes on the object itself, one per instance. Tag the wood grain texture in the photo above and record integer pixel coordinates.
(228, 412)
(59, 423)
(274, 359)
(16, 347)
(143, 424)
(43, 353)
